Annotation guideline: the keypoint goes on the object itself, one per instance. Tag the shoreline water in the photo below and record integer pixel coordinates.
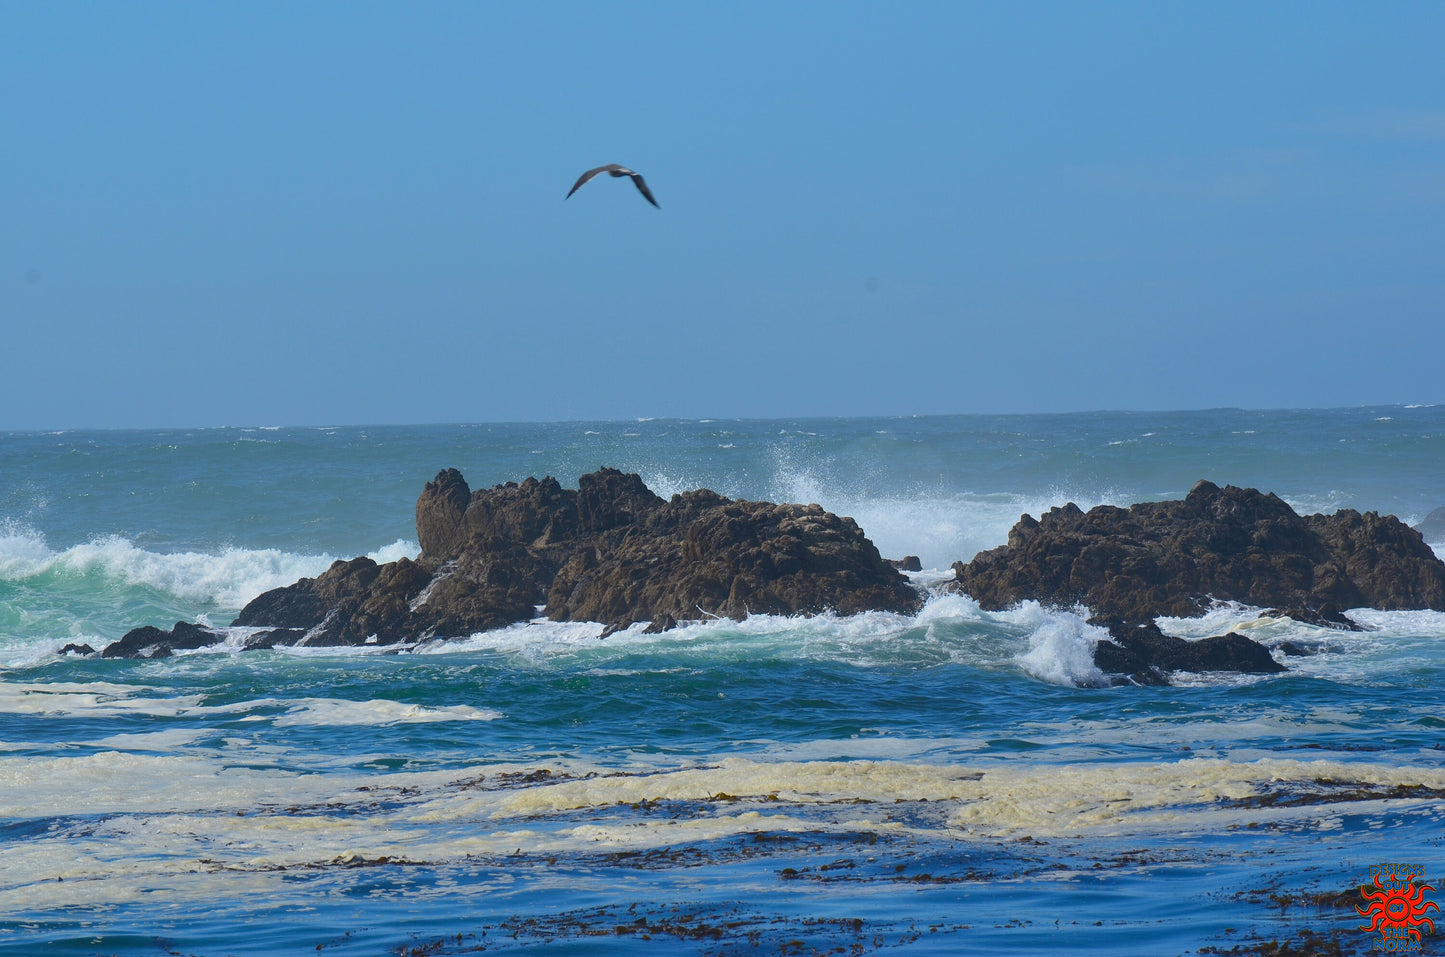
(766, 781)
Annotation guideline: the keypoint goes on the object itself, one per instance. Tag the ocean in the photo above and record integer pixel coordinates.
(958, 781)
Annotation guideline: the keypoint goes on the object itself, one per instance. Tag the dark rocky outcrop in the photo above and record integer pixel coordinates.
(610, 551)
(1229, 544)
(701, 556)
(1131, 565)
(1146, 655)
(151, 642)
(908, 563)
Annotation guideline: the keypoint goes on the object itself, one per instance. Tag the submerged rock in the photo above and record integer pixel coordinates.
(610, 551)
(1132, 565)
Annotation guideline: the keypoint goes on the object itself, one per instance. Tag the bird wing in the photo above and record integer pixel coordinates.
(642, 188)
(589, 174)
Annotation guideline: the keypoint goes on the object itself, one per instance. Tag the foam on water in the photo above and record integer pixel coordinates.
(150, 819)
(228, 578)
(1061, 645)
(1055, 646)
(330, 712)
(110, 700)
(92, 699)
(95, 591)
(1048, 644)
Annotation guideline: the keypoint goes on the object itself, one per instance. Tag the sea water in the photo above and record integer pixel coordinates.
(958, 781)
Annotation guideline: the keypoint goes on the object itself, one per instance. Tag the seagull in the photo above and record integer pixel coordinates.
(614, 169)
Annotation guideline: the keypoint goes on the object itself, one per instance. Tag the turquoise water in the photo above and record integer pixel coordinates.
(952, 782)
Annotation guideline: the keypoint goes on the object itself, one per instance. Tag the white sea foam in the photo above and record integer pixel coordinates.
(22, 550)
(228, 578)
(1218, 619)
(332, 712)
(1049, 644)
(1061, 647)
(185, 827)
(108, 700)
(92, 699)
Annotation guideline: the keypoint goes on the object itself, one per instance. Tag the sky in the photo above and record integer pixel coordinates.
(352, 213)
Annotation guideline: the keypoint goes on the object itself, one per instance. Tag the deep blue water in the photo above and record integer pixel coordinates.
(954, 782)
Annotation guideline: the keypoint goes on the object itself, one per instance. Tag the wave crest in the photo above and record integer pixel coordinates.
(228, 578)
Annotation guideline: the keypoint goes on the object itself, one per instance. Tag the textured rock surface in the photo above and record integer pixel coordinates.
(1129, 566)
(151, 642)
(1225, 544)
(702, 555)
(610, 551)
(1147, 655)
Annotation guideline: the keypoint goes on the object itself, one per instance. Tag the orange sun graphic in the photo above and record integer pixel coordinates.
(1398, 908)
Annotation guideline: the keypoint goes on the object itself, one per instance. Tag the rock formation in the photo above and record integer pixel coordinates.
(611, 552)
(1223, 544)
(1129, 566)
(150, 642)
(1146, 655)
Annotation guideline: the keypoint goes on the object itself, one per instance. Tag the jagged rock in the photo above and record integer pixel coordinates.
(908, 563)
(1174, 558)
(150, 642)
(1147, 655)
(73, 649)
(1229, 544)
(611, 551)
(1378, 562)
(702, 555)
(439, 511)
(360, 602)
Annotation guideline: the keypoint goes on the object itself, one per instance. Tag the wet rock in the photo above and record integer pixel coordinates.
(908, 563)
(1377, 561)
(1307, 649)
(1229, 544)
(150, 642)
(1327, 616)
(1148, 656)
(439, 511)
(74, 649)
(610, 551)
(704, 556)
(1132, 565)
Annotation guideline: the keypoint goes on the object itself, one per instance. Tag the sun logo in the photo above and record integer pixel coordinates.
(1397, 911)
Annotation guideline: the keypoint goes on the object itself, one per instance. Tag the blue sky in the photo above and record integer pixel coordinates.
(325, 213)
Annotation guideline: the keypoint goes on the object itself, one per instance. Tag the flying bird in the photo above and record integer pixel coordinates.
(614, 169)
